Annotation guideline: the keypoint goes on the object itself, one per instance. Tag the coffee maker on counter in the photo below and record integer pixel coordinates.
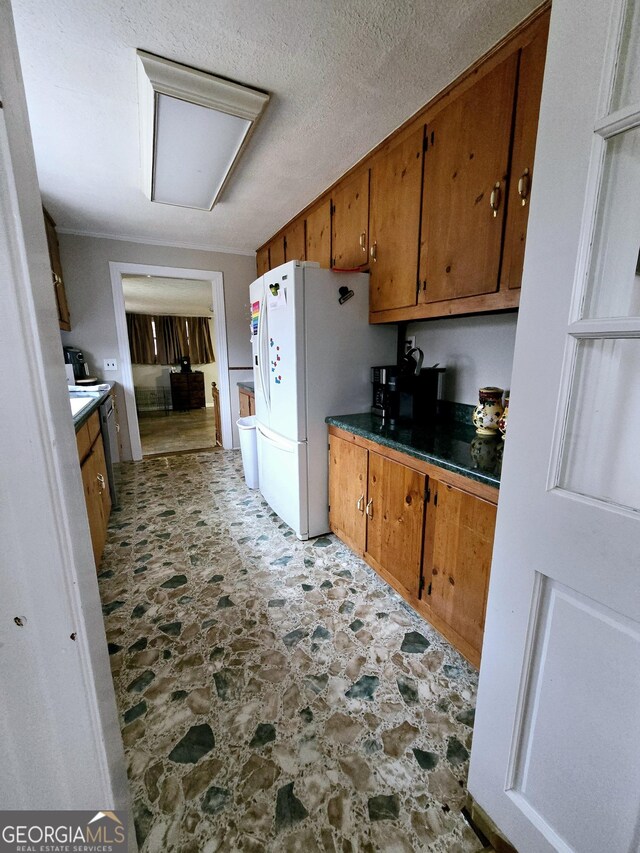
(75, 357)
(406, 393)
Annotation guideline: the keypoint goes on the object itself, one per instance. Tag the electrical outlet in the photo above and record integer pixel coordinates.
(110, 364)
(409, 343)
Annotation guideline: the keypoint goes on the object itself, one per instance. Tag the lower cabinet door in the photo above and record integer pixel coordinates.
(97, 497)
(348, 492)
(395, 517)
(458, 549)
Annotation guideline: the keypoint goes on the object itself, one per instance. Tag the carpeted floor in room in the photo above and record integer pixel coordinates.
(275, 695)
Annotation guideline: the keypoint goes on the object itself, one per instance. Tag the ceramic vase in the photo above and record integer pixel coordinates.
(484, 452)
(502, 421)
(488, 411)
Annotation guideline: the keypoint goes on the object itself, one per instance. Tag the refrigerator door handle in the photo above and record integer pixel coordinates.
(262, 357)
(287, 447)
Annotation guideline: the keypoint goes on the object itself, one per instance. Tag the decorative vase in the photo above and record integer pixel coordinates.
(502, 421)
(487, 413)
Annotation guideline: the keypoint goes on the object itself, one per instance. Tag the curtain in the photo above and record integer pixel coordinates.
(174, 337)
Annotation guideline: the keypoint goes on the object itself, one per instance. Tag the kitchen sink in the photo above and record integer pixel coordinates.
(80, 401)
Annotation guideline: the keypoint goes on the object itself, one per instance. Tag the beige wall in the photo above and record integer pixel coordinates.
(85, 261)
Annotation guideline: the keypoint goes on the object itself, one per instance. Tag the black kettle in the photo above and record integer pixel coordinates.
(411, 362)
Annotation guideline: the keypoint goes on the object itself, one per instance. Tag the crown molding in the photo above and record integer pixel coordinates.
(150, 241)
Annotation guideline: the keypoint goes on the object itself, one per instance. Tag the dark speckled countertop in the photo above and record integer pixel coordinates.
(449, 444)
(246, 386)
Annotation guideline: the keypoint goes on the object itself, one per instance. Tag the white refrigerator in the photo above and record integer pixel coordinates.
(313, 350)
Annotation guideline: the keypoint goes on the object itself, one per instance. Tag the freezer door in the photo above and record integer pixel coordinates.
(281, 352)
(282, 470)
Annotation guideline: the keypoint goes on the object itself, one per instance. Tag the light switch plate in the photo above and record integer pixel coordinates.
(110, 364)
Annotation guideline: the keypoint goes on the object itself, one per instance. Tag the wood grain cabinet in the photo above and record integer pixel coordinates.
(458, 546)
(187, 390)
(262, 261)
(95, 483)
(396, 180)
(247, 402)
(276, 252)
(441, 206)
(426, 531)
(319, 233)
(64, 318)
(350, 222)
(295, 248)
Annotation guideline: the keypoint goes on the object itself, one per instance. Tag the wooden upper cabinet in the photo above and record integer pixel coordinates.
(64, 318)
(262, 261)
(276, 252)
(465, 180)
(294, 241)
(458, 549)
(395, 517)
(531, 72)
(350, 222)
(319, 234)
(396, 179)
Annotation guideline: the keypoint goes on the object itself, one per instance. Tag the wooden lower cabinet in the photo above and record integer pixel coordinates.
(247, 403)
(395, 518)
(95, 483)
(457, 559)
(426, 531)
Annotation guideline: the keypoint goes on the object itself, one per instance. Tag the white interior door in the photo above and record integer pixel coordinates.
(556, 752)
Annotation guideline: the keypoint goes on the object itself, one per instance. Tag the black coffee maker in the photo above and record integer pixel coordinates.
(407, 393)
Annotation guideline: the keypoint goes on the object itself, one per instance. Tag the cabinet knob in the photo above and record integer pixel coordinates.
(363, 241)
(370, 508)
(100, 479)
(360, 504)
(524, 187)
(373, 251)
(494, 200)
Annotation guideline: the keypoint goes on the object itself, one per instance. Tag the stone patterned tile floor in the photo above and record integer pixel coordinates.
(275, 695)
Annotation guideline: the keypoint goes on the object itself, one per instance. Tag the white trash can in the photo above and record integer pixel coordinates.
(249, 449)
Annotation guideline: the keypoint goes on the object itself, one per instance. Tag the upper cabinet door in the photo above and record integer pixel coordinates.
(465, 184)
(319, 234)
(530, 76)
(64, 318)
(262, 261)
(350, 222)
(276, 252)
(396, 180)
(294, 241)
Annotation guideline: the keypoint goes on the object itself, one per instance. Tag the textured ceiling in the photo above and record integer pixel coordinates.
(342, 75)
(156, 295)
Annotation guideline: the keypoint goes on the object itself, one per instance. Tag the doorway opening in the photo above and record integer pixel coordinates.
(173, 403)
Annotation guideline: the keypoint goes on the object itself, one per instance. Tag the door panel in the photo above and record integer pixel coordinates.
(262, 261)
(282, 473)
(461, 559)
(319, 234)
(348, 492)
(281, 339)
(395, 515)
(351, 222)
(530, 74)
(276, 252)
(295, 249)
(396, 180)
(465, 180)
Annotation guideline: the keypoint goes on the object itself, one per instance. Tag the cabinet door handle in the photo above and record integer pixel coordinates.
(523, 187)
(373, 251)
(494, 200)
(100, 479)
(363, 241)
(370, 508)
(360, 504)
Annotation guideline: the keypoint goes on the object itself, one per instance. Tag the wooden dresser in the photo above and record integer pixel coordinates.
(187, 390)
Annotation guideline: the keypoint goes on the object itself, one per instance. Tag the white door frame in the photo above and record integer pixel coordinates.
(116, 271)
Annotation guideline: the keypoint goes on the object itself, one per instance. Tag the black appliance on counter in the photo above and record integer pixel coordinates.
(406, 392)
(75, 357)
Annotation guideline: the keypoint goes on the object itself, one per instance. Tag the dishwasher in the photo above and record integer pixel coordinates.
(109, 429)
